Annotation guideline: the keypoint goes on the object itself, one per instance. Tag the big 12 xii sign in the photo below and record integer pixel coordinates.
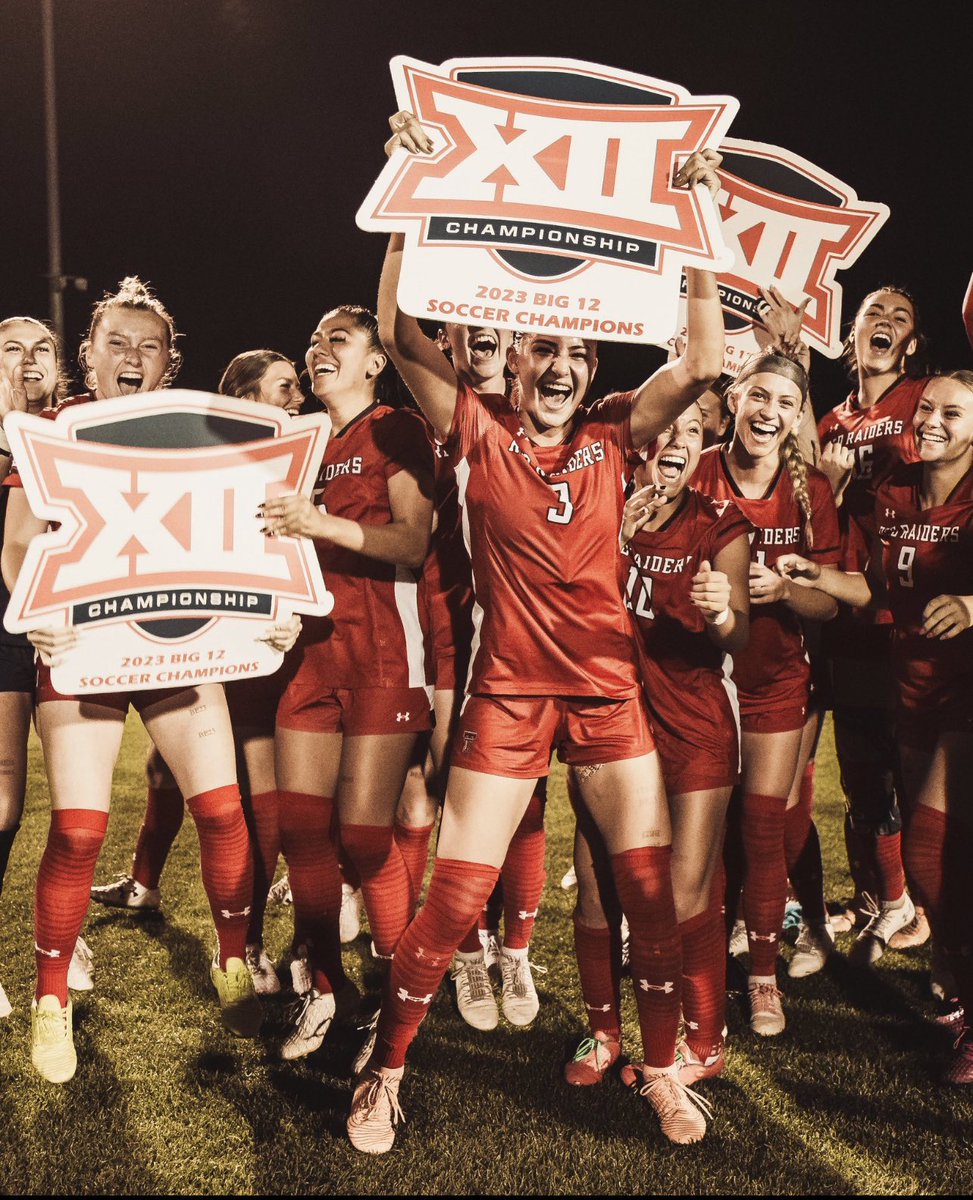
(156, 555)
(547, 203)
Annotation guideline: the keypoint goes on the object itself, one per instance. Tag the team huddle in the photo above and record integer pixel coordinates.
(669, 587)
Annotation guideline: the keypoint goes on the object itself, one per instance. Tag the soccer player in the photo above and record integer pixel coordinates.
(30, 381)
(687, 585)
(862, 440)
(270, 378)
(763, 472)
(924, 522)
(358, 691)
(540, 484)
(130, 348)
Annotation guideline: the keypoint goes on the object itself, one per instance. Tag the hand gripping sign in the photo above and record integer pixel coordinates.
(792, 226)
(156, 557)
(546, 203)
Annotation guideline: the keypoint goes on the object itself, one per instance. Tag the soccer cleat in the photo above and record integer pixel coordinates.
(518, 999)
(370, 1030)
(127, 892)
(884, 920)
(280, 892)
(81, 969)
(625, 935)
(812, 949)
(6, 1008)
(960, 1070)
(766, 1010)
(349, 919)
(916, 933)
(52, 1040)
(310, 1023)
(490, 941)
(375, 1111)
(265, 981)
(692, 1068)
(239, 1006)
(569, 880)
(592, 1060)
(300, 971)
(682, 1113)
(949, 1014)
(852, 913)
(474, 993)
(739, 943)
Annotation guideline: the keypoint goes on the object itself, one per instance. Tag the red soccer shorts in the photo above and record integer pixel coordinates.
(253, 702)
(355, 712)
(695, 766)
(513, 736)
(120, 701)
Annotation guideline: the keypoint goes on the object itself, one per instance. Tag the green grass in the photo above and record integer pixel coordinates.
(164, 1101)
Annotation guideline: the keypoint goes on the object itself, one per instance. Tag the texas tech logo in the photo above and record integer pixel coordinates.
(157, 556)
(547, 200)
(792, 226)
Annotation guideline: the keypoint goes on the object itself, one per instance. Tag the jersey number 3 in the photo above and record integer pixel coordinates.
(562, 512)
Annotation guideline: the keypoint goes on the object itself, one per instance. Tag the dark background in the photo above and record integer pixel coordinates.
(220, 148)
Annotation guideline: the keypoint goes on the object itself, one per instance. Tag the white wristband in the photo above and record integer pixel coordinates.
(721, 618)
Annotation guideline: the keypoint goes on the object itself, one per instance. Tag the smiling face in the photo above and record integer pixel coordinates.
(479, 353)
(677, 454)
(554, 374)
(767, 408)
(128, 353)
(27, 344)
(884, 334)
(341, 359)
(943, 424)
(280, 387)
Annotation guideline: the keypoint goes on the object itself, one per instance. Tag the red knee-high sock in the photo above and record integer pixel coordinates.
(888, 863)
(471, 941)
(803, 849)
(64, 880)
(704, 980)
(765, 881)
(732, 864)
(225, 864)
(413, 844)
(523, 876)
(457, 892)
(308, 842)
(164, 811)
(385, 885)
(261, 814)
(924, 851)
(599, 966)
(643, 881)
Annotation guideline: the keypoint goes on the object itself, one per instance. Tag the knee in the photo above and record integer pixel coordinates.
(367, 846)
(76, 841)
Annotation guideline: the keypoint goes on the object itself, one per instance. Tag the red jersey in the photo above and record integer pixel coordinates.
(774, 663)
(926, 553)
(541, 526)
(686, 676)
(374, 636)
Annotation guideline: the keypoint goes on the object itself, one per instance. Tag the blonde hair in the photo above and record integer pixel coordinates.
(60, 378)
(134, 294)
(797, 469)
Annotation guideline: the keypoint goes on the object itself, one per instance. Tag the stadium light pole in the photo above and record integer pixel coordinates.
(55, 280)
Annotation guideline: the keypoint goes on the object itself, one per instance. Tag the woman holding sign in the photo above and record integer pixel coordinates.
(30, 381)
(358, 692)
(130, 348)
(554, 664)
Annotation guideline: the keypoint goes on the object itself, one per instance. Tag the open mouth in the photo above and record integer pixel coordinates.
(483, 346)
(32, 376)
(556, 394)
(763, 432)
(934, 439)
(669, 467)
(324, 369)
(880, 341)
(130, 381)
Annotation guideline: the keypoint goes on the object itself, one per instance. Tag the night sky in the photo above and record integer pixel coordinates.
(220, 148)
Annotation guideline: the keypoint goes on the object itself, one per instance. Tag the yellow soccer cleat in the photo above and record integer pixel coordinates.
(239, 1006)
(52, 1040)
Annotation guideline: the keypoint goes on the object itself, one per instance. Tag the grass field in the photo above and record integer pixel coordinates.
(164, 1102)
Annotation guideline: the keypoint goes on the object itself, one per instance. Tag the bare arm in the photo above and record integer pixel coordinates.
(724, 589)
(850, 587)
(403, 541)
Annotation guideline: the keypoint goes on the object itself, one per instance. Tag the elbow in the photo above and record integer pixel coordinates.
(703, 369)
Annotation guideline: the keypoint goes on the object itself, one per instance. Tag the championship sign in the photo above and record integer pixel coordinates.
(793, 226)
(547, 203)
(156, 557)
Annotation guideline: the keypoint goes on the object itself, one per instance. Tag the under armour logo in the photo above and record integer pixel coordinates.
(890, 512)
(403, 716)
(761, 937)
(598, 1007)
(526, 916)
(666, 987)
(692, 1024)
(404, 995)
(47, 953)
(228, 916)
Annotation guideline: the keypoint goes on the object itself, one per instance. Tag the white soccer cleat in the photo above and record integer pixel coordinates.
(490, 941)
(739, 942)
(474, 993)
(126, 892)
(370, 1030)
(81, 971)
(349, 920)
(569, 879)
(884, 920)
(280, 892)
(518, 999)
(766, 1010)
(311, 1023)
(6, 1008)
(375, 1111)
(265, 981)
(813, 947)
